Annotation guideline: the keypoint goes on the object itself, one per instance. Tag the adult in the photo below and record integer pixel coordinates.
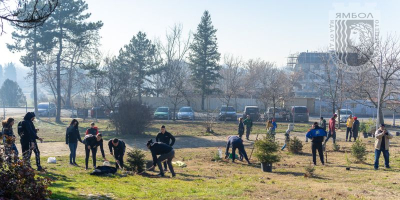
(91, 143)
(28, 133)
(237, 143)
(356, 127)
(9, 138)
(332, 129)
(72, 137)
(349, 125)
(93, 130)
(119, 151)
(240, 127)
(317, 134)
(322, 123)
(382, 137)
(166, 138)
(166, 153)
(249, 124)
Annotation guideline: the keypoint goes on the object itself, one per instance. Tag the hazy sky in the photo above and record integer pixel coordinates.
(269, 30)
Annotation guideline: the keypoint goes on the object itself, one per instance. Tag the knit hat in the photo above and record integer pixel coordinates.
(355, 118)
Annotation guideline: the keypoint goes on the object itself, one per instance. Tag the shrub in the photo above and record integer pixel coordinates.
(19, 181)
(363, 127)
(136, 160)
(216, 157)
(336, 147)
(295, 145)
(132, 117)
(266, 151)
(359, 151)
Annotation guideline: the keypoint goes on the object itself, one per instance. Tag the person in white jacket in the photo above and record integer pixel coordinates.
(382, 137)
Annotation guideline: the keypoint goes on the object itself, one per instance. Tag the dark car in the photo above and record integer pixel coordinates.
(162, 113)
(99, 112)
(227, 113)
(253, 111)
(47, 109)
(300, 114)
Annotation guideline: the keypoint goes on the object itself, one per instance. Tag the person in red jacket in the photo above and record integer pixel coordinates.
(93, 130)
(332, 129)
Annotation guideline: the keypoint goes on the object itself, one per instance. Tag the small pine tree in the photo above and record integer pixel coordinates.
(136, 160)
(359, 151)
(295, 146)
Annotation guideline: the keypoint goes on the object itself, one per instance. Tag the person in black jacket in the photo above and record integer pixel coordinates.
(91, 143)
(317, 136)
(28, 139)
(237, 143)
(241, 127)
(166, 138)
(166, 153)
(119, 151)
(9, 139)
(71, 138)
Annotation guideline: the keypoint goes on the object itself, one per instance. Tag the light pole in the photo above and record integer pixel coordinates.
(379, 96)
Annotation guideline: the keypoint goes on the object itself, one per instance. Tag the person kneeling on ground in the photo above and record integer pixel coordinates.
(237, 143)
(382, 137)
(165, 151)
(119, 151)
(91, 143)
(317, 134)
(166, 138)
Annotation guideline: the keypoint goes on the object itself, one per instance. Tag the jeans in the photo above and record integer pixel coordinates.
(72, 149)
(348, 133)
(248, 132)
(314, 148)
(331, 135)
(242, 152)
(167, 158)
(37, 155)
(378, 154)
(120, 158)
(87, 151)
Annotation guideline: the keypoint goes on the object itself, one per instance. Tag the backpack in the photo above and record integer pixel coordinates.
(20, 129)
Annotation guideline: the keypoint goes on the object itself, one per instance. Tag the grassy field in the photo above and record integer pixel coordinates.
(207, 179)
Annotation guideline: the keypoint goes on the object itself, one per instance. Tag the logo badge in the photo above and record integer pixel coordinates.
(354, 33)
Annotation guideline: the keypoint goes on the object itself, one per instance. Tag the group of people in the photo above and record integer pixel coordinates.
(28, 139)
(92, 141)
(318, 136)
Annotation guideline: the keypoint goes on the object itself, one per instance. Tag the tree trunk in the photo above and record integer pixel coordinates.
(69, 89)
(202, 100)
(35, 73)
(381, 117)
(58, 114)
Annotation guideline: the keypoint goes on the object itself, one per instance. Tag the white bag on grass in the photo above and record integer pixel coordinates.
(106, 163)
(51, 160)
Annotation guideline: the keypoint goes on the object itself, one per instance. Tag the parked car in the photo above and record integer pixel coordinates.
(162, 113)
(344, 114)
(185, 113)
(281, 114)
(99, 112)
(300, 114)
(227, 113)
(47, 109)
(253, 111)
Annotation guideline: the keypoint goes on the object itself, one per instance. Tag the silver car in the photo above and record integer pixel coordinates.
(186, 113)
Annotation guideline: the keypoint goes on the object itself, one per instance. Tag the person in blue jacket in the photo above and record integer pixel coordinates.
(237, 143)
(317, 135)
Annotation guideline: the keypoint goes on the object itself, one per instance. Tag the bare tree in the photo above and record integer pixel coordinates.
(329, 78)
(232, 77)
(174, 79)
(26, 13)
(383, 63)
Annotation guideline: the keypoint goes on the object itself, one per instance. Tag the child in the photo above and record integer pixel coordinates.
(287, 137)
(241, 127)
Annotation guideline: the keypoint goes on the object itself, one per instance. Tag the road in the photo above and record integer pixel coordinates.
(20, 112)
